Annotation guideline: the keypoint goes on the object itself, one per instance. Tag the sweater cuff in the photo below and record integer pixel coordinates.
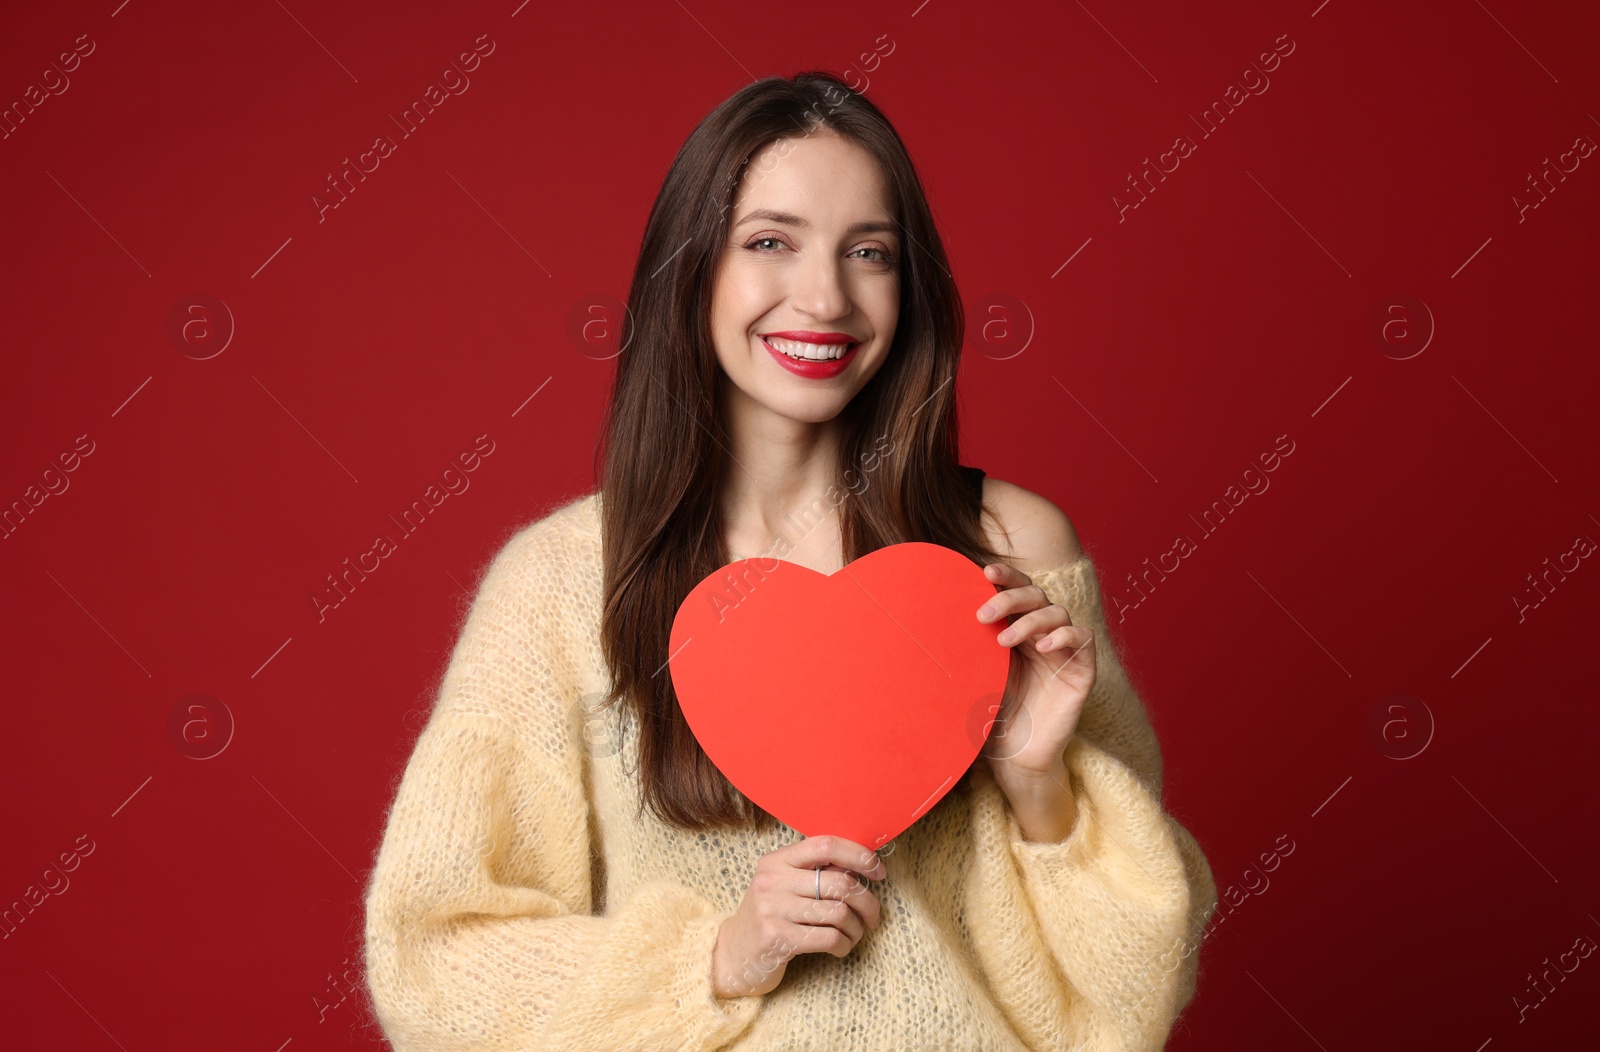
(1054, 860)
(710, 1020)
(1121, 838)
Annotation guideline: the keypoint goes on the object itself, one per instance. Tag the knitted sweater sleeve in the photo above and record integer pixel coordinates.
(479, 928)
(1091, 942)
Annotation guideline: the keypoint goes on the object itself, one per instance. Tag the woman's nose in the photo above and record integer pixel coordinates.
(821, 291)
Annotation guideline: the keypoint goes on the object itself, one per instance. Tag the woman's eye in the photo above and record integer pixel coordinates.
(883, 258)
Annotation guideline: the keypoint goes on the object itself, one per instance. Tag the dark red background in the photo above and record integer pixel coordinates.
(1132, 387)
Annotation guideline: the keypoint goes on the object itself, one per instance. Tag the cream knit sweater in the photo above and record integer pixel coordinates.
(516, 903)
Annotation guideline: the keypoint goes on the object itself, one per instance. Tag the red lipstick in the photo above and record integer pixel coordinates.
(813, 370)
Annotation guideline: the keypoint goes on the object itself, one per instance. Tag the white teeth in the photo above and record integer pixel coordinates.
(812, 352)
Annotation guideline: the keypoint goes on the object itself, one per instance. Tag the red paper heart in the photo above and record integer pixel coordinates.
(846, 704)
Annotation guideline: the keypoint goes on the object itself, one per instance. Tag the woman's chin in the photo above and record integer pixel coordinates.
(812, 409)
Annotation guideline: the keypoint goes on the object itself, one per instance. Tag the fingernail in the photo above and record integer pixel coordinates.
(985, 612)
(1007, 636)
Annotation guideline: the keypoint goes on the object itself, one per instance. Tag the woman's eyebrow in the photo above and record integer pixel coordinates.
(866, 226)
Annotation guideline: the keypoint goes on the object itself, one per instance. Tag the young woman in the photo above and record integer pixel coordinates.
(564, 868)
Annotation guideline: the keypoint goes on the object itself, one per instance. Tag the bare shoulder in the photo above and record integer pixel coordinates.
(1028, 530)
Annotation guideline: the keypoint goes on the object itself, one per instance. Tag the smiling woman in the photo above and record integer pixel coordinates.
(810, 242)
(795, 320)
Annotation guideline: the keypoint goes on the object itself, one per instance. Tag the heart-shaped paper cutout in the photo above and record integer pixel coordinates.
(844, 704)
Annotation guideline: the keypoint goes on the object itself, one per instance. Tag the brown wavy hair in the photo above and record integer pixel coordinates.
(663, 448)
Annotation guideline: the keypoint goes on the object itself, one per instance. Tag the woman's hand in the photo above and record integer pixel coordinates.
(1052, 671)
(781, 917)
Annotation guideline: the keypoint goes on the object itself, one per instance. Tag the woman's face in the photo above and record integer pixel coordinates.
(812, 252)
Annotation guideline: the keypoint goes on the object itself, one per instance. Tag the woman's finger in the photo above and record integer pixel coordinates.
(1035, 622)
(1068, 637)
(822, 850)
(1016, 600)
(1004, 575)
(839, 885)
(1012, 601)
(829, 913)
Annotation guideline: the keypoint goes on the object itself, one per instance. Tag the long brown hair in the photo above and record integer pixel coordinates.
(664, 438)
